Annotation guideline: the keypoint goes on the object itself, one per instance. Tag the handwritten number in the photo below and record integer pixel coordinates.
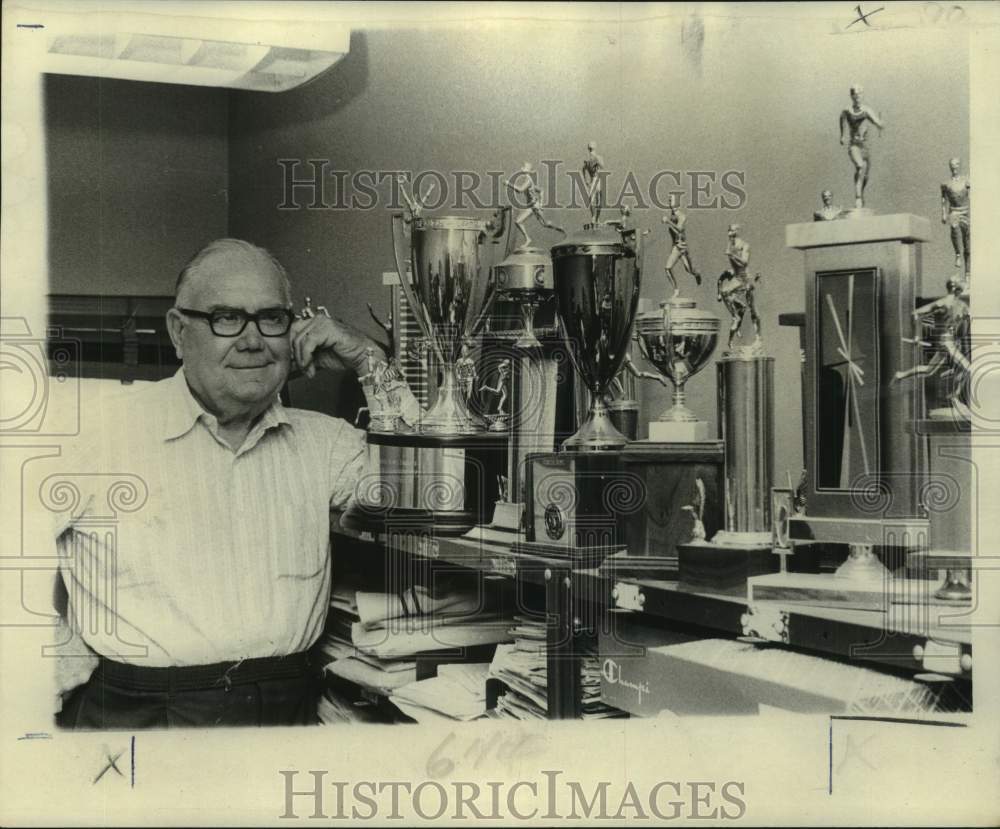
(439, 766)
(934, 13)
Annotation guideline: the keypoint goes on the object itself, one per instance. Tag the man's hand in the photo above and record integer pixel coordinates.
(322, 342)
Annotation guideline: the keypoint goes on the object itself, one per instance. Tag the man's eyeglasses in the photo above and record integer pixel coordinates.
(231, 322)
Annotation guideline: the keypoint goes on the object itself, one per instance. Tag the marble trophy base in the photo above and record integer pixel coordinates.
(861, 582)
(822, 590)
(673, 431)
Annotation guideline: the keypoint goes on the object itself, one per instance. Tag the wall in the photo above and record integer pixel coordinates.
(137, 181)
(709, 94)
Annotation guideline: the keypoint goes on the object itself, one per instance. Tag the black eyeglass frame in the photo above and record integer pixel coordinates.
(247, 318)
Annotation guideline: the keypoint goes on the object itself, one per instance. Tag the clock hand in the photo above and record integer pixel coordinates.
(856, 370)
(852, 373)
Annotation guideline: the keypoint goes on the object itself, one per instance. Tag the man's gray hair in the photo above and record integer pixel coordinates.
(241, 253)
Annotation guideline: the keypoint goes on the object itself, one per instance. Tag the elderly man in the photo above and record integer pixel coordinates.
(217, 581)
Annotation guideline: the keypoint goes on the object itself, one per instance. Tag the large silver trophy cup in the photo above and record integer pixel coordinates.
(450, 293)
(678, 341)
(596, 275)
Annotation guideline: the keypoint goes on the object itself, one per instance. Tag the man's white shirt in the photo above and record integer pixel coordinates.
(179, 551)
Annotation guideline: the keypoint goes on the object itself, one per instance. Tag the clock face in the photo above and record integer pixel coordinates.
(847, 378)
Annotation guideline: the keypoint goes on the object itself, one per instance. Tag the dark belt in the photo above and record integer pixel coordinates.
(203, 677)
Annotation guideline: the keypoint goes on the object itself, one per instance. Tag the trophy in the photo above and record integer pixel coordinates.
(678, 341)
(945, 418)
(578, 500)
(596, 276)
(451, 291)
(865, 465)
(442, 477)
(742, 548)
(746, 407)
(525, 276)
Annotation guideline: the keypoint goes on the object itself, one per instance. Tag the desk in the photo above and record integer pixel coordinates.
(577, 602)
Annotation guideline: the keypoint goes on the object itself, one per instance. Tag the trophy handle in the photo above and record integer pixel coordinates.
(639, 341)
(499, 226)
(400, 246)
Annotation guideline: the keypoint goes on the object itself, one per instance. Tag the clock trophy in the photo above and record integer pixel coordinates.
(863, 456)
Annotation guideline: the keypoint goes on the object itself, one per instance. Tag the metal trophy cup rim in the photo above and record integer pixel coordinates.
(678, 318)
(598, 432)
(449, 415)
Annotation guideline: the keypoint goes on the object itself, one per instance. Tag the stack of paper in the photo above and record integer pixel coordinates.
(380, 676)
(371, 608)
(399, 625)
(591, 707)
(458, 692)
(336, 643)
(335, 709)
(521, 667)
(397, 638)
(344, 660)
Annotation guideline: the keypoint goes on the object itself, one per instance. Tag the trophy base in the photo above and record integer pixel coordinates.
(957, 565)
(683, 486)
(624, 564)
(709, 567)
(450, 415)
(624, 415)
(822, 590)
(598, 434)
(954, 589)
(409, 520)
(745, 540)
(508, 516)
(425, 483)
(578, 501)
(589, 556)
(947, 413)
(862, 582)
(450, 427)
(862, 565)
(752, 351)
(665, 431)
